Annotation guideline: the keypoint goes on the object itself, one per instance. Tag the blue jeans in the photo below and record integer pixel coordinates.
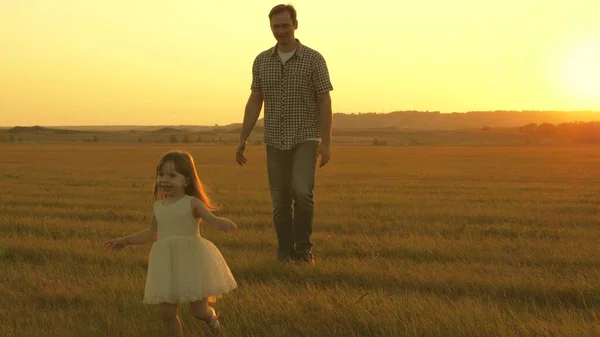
(291, 183)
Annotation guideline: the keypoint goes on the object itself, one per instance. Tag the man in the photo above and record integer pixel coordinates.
(293, 82)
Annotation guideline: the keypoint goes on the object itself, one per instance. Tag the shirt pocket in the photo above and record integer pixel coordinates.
(298, 80)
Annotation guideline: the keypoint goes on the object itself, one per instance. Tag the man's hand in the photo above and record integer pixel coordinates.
(239, 153)
(325, 153)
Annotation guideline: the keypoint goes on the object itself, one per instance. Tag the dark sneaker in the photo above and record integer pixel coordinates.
(286, 257)
(305, 258)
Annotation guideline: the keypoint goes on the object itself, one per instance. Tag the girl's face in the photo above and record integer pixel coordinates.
(170, 182)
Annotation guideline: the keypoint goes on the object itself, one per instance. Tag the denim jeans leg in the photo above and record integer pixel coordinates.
(303, 183)
(279, 171)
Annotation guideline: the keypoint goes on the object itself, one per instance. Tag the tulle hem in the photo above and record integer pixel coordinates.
(212, 296)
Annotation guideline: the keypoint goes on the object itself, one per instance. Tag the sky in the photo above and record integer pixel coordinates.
(124, 62)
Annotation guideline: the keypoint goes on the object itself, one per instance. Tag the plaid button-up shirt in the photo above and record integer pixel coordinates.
(289, 91)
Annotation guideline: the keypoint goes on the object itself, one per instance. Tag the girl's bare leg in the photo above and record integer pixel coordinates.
(202, 311)
(168, 313)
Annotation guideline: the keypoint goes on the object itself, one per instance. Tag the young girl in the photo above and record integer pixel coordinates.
(183, 266)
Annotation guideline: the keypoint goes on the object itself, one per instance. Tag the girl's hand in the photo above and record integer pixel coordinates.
(228, 225)
(115, 244)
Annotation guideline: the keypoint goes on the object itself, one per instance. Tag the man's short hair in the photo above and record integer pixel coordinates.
(283, 8)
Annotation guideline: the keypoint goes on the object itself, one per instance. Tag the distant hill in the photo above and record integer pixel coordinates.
(237, 130)
(41, 130)
(454, 121)
(469, 133)
(411, 120)
(426, 120)
(169, 130)
(140, 128)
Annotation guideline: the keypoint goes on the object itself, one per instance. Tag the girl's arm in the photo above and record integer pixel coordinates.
(143, 237)
(139, 238)
(201, 212)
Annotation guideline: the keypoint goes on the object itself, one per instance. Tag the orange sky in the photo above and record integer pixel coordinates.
(188, 62)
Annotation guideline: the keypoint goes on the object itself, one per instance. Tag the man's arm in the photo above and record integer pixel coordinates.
(322, 85)
(253, 107)
(324, 102)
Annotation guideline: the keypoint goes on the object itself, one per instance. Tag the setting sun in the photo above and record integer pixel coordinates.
(582, 70)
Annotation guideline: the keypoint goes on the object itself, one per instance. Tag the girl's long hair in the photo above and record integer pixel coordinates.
(184, 164)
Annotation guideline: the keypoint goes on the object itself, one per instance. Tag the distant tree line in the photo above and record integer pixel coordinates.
(577, 132)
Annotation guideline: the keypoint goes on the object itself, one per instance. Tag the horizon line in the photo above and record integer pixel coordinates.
(335, 113)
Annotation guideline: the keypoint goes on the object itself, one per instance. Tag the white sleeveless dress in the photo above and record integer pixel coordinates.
(183, 266)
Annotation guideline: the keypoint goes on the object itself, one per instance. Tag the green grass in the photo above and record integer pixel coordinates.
(410, 241)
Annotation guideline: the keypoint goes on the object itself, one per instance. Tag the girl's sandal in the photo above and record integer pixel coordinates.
(213, 325)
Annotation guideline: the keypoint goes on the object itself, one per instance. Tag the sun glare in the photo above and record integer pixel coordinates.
(582, 70)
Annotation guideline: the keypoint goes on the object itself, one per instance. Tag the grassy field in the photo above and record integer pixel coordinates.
(409, 241)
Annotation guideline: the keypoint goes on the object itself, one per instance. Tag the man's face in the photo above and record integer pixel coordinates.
(283, 28)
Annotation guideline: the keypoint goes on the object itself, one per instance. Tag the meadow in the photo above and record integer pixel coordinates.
(409, 241)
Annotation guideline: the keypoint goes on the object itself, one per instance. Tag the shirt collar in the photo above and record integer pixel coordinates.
(299, 49)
